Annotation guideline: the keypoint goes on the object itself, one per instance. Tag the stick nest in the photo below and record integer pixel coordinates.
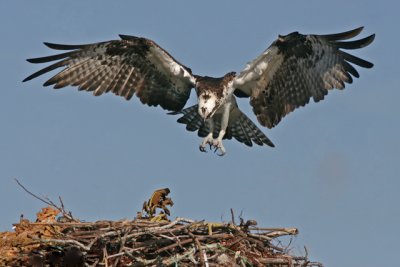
(151, 239)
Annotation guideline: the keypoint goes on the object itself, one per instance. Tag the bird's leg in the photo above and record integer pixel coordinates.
(224, 124)
(218, 143)
(209, 138)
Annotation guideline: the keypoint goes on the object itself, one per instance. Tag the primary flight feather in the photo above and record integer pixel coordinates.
(291, 71)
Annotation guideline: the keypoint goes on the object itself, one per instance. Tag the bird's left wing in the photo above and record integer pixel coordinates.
(297, 67)
(124, 67)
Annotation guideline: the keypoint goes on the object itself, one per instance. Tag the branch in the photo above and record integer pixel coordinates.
(66, 214)
(61, 241)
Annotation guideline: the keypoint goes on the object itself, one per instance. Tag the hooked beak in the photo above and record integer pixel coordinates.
(204, 114)
(203, 110)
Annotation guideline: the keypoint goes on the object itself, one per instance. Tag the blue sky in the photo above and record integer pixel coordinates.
(334, 173)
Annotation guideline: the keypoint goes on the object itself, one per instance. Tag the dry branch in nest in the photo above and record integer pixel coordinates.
(148, 240)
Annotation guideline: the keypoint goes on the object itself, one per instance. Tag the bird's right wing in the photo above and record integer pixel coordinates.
(296, 68)
(124, 67)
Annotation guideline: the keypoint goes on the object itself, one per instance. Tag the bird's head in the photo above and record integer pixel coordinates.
(208, 104)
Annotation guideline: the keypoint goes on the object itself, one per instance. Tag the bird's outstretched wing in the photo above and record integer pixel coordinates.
(297, 67)
(124, 67)
(239, 127)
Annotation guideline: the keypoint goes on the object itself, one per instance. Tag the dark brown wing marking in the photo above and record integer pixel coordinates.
(297, 67)
(124, 67)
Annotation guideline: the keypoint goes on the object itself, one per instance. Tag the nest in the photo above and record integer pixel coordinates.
(151, 239)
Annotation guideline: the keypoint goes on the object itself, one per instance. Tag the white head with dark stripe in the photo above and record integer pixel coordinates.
(212, 93)
(208, 104)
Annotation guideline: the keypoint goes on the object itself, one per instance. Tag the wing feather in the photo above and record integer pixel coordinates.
(65, 47)
(124, 67)
(355, 44)
(51, 58)
(356, 60)
(47, 69)
(68, 75)
(342, 35)
(296, 68)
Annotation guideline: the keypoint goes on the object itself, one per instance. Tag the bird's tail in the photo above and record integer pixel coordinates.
(240, 126)
(192, 119)
(244, 130)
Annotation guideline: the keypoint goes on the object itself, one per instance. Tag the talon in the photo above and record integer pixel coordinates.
(207, 140)
(222, 153)
(218, 146)
(221, 148)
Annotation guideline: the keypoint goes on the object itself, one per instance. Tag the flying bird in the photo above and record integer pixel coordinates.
(291, 71)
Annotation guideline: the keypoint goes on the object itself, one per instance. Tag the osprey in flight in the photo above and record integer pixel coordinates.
(293, 69)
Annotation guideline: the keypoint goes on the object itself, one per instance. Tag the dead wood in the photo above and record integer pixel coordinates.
(147, 240)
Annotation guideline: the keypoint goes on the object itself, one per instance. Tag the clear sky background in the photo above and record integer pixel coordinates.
(334, 173)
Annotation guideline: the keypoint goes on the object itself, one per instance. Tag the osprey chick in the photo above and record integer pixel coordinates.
(293, 69)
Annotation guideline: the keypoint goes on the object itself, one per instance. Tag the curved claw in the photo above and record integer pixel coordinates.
(222, 153)
(207, 140)
(218, 146)
(202, 149)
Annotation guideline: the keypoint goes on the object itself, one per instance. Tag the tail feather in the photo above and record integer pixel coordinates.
(240, 126)
(190, 118)
(245, 131)
(241, 133)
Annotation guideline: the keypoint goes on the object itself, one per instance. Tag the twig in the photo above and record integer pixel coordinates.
(178, 257)
(121, 247)
(290, 229)
(199, 249)
(205, 259)
(47, 201)
(232, 217)
(105, 257)
(62, 241)
(315, 264)
(182, 243)
(176, 238)
(32, 194)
